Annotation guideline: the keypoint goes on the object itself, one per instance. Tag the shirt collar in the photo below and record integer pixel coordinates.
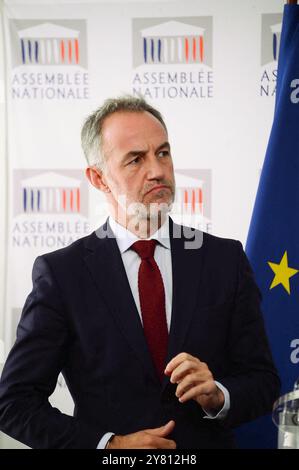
(125, 238)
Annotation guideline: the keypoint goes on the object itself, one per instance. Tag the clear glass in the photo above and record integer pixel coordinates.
(286, 417)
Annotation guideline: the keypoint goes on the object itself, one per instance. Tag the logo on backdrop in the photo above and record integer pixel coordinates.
(295, 351)
(172, 57)
(192, 205)
(50, 208)
(49, 59)
(271, 32)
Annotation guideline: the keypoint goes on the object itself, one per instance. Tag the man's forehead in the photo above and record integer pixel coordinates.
(131, 128)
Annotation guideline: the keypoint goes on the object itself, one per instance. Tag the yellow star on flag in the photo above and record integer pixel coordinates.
(283, 273)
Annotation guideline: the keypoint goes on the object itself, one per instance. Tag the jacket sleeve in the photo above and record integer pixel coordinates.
(253, 383)
(30, 374)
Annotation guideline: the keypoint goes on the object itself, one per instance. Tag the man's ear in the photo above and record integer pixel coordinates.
(97, 179)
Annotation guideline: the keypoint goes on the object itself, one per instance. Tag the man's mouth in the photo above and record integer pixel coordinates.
(157, 188)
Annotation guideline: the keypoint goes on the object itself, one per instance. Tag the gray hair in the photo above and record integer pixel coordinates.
(91, 134)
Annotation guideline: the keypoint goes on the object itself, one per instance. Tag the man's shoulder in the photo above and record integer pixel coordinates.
(208, 240)
(223, 250)
(70, 252)
(215, 240)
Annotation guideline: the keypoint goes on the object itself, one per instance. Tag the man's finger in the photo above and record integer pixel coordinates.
(183, 369)
(177, 360)
(192, 379)
(202, 389)
(162, 431)
(166, 444)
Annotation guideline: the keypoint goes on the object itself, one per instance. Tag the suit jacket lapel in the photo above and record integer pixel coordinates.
(106, 267)
(186, 272)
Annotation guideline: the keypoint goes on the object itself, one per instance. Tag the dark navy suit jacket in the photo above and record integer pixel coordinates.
(81, 319)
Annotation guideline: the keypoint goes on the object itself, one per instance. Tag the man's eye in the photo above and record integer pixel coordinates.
(163, 153)
(134, 161)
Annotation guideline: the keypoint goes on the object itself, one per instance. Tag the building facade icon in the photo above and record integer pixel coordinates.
(192, 200)
(192, 194)
(49, 44)
(271, 27)
(276, 32)
(173, 42)
(51, 193)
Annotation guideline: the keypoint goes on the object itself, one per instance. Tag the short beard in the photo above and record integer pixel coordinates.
(147, 217)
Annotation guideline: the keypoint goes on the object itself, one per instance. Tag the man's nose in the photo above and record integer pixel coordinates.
(155, 168)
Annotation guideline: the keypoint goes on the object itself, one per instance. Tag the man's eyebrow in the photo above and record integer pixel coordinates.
(135, 153)
(164, 145)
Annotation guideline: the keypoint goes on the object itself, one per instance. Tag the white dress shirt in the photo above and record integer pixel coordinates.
(131, 260)
(162, 256)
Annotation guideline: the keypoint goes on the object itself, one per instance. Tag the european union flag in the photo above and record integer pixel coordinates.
(273, 239)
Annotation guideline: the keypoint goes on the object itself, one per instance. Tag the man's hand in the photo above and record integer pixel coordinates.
(195, 381)
(146, 439)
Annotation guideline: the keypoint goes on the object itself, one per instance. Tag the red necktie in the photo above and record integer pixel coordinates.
(152, 303)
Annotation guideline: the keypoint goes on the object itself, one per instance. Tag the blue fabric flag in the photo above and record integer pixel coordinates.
(273, 238)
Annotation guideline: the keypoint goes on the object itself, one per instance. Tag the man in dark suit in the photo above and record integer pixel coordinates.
(156, 327)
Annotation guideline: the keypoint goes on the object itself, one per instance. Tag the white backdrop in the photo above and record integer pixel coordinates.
(213, 78)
